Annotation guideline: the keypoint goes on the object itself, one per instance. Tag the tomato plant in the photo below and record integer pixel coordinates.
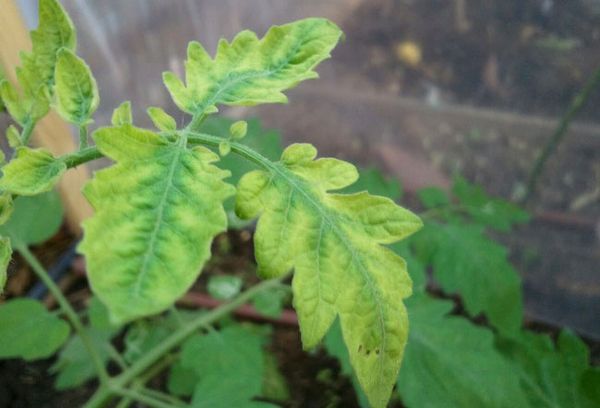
(169, 192)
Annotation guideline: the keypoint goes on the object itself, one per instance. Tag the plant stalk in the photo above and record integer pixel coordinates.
(122, 380)
(83, 137)
(551, 145)
(67, 309)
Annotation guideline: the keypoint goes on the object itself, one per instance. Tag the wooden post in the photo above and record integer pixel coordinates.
(51, 132)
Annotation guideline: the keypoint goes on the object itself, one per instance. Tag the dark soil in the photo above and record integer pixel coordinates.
(530, 56)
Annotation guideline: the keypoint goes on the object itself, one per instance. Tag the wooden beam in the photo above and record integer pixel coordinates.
(51, 132)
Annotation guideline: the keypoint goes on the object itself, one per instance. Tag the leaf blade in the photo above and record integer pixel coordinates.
(249, 71)
(340, 266)
(167, 234)
(76, 90)
(31, 172)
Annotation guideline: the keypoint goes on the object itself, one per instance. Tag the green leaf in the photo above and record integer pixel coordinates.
(24, 229)
(31, 172)
(274, 385)
(181, 381)
(29, 331)
(161, 119)
(163, 201)
(493, 212)
(552, 376)
(5, 256)
(432, 197)
(6, 207)
(122, 115)
(375, 182)
(333, 243)
(270, 303)
(76, 90)
(466, 262)
(249, 71)
(224, 287)
(74, 366)
(449, 362)
(212, 357)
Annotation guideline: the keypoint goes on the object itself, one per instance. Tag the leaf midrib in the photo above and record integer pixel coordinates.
(159, 219)
(325, 215)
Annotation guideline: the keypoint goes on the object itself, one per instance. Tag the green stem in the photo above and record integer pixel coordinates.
(172, 401)
(576, 105)
(27, 132)
(68, 310)
(83, 156)
(141, 397)
(83, 137)
(104, 393)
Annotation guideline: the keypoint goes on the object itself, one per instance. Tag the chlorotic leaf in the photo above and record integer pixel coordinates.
(76, 90)
(164, 202)
(36, 74)
(333, 243)
(13, 102)
(449, 362)
(224, 148)
(238, 130)
(24, 229)
(249, 71)
(161, 119)
(31, 172)
(487, 282)
(29, 331)
(5, 256)
(122, 115)
(551, 375)
(55, 31)
(335, 347)
(13, 137)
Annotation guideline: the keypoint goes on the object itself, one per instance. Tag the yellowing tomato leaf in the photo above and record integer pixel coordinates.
(164, 203)
(249, 71)
(31, 172)
(334, 243)
(76, 90)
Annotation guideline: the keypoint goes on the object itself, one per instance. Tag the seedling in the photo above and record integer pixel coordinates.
(168, 193)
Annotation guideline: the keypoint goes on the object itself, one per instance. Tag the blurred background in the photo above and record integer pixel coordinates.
(422, 90)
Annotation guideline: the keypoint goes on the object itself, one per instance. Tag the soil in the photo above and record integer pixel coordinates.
(529, 56)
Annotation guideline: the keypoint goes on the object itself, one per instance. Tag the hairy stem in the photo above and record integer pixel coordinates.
(67, 309)
(154, 355)
(560, 132)
(83, 137)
